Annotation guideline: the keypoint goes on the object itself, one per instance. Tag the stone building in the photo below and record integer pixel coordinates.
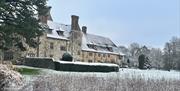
(61, 38)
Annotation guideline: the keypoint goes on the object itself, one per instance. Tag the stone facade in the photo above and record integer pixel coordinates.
(49, 47)
(57, 43)
(99, 57)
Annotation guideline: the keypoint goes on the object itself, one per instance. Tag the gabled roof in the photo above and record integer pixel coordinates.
(58, 27)
(99, 40)
(101, 44)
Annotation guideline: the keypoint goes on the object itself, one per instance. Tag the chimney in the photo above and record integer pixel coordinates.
(47, 16)
(74, 22)
(84, 29)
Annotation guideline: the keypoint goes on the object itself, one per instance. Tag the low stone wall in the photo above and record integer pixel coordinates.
(84, 68)
(40, 62)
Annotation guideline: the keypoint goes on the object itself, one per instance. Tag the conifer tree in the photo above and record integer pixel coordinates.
(19, 20)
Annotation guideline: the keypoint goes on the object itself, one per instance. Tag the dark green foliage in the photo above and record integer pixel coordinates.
(39, 62)
(141, 60)
(67, 57)
(84, 68)
(19, 21)
(178, 65)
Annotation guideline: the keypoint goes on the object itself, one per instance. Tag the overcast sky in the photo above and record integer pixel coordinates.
(147, 22)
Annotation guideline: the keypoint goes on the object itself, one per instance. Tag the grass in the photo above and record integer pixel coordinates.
(28, 71)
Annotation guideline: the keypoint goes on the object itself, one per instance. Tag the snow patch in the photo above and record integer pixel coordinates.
(91, 64)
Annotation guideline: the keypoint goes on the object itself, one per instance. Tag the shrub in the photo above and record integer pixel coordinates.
(141, 60)
(39, 62)
(67, 57)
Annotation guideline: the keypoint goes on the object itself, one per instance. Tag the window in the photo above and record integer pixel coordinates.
(98, 61)
(108, 55)
(63, 48)
(104, 55)
(92, 46)
(51, 46)
(110, 49)
(90, 54)
(31, 55)
(112, 61)
(120, 57)
(79, 53)
(89, 60)
(51, 55)
(49, 31)
(99, 54)
(60, 33)
(8, 55)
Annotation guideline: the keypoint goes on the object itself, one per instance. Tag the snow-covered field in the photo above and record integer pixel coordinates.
(123, 73)
(124, 80)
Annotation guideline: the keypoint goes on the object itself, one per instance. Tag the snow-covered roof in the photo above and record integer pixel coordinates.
(98, 40)
(101, 44)
(55, 27)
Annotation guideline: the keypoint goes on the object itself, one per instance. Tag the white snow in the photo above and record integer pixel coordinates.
(123, 73)
(86, 41)
(152, 74)
(85, 63)
(58, 27)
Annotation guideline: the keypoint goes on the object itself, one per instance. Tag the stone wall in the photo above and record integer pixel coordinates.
(45, 49)
(55, 52)
(99, 57)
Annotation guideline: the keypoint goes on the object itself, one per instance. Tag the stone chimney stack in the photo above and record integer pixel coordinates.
(84, 29)
(47, 16)
(74, 22)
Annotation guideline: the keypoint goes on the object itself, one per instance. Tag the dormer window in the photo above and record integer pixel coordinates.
(92, 46)
(49, 31)
(60, 33)
(110, 49)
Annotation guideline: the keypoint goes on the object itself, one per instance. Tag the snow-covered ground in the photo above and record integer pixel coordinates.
(124, 80)
(152, 74)
(123, 73)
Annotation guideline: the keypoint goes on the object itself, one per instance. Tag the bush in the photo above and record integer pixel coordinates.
(67, 57)
(141, 60)
(9, 78)
(39, 62)
(84, 68)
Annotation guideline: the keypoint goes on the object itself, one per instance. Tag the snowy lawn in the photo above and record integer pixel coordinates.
(123, 73)
(124, 80)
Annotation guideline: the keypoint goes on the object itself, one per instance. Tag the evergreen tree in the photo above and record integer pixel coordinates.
(141, 60)
(19, 21)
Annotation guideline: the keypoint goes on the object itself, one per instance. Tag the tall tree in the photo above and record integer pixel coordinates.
(19, 21)
(156, 59)
(171, 54)
(141, 61)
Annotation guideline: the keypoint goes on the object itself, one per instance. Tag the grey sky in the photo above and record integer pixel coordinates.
(148, 22)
